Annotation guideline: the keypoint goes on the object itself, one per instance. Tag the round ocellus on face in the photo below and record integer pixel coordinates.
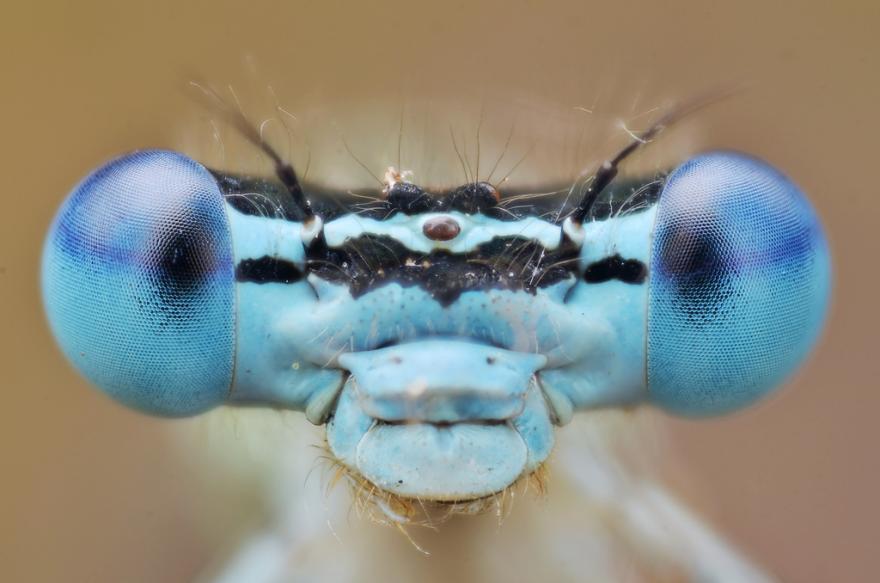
(441, 229)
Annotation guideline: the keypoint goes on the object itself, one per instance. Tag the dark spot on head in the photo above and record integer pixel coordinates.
(441, 229)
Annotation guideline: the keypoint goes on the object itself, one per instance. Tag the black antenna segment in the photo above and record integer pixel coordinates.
(283, 169)
(609, 168)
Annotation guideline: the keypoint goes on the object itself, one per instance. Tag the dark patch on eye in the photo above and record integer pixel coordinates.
(179, 262)
(695, 259)
(182, 261)
(616, 267)
(690, 254)
(267, 270)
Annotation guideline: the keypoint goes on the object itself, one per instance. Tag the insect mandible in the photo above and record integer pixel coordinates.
(441, 336)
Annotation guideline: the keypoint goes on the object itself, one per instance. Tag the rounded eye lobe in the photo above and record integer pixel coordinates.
(739, 284)
(138, 283)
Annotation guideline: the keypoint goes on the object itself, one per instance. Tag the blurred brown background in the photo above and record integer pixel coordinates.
(92, 492)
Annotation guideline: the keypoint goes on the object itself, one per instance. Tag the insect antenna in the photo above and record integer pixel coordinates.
(464, 167)
(608, 170)
(283, 170)
(284, 113)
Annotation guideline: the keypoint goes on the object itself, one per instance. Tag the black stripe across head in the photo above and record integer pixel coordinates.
(512, 263)
(616, 267)
(267, 270)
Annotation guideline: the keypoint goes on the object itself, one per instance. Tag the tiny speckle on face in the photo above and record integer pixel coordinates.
(417, 388)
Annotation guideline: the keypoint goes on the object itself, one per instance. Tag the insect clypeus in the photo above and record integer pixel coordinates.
(441, 337)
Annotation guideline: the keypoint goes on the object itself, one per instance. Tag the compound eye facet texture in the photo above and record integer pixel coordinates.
(138, 283)
(739, 284)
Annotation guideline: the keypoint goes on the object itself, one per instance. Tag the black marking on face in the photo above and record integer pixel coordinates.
(409, 199)
(267, 270)
(616, 267)
(512, 263)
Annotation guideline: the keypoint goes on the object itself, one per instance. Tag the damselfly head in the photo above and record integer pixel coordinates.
(442, 337)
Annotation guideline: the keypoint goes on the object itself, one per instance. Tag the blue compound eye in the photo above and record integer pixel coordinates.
(138, 282)
(738, 287)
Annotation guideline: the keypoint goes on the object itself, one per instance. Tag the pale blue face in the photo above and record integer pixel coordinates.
(442, 346)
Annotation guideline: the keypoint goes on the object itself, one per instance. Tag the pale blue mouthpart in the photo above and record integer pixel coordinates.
(442, 381)
(445, 419)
